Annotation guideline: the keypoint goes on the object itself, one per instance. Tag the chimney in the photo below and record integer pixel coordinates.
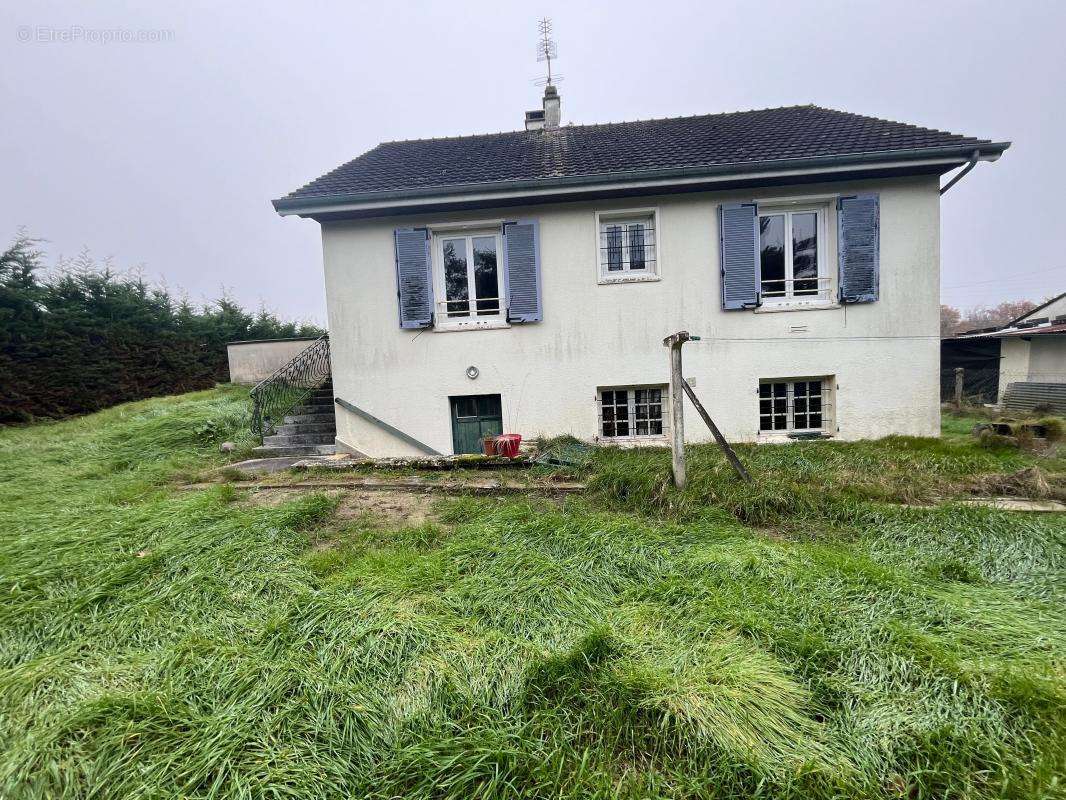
(550, 116)
(552, 109)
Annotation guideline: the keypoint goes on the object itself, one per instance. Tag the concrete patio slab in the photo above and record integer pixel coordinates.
(265, 466)
(1017, 504)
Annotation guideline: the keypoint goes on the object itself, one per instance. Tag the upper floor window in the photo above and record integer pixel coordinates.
(627, 247)
(790, 255)
(467, 271)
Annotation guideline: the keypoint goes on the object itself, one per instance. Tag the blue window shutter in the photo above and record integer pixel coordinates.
(414, 277)
(859, 247)
(738, 247)
(521, 252)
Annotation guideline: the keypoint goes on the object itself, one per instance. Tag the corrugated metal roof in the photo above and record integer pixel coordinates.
(1000, 333)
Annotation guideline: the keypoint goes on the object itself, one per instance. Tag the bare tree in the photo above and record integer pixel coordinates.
(995, 316)
(953, 321)
(949, 321)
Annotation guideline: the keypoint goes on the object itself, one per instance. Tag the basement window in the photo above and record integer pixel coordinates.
(631, 412)
(627, 246)
(793, 406)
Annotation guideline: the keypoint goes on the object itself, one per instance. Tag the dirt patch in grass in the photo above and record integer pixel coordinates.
(395, 509)
(270, 497)
(380, 508)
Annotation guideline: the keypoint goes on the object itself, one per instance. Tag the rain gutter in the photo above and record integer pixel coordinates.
(650, 179)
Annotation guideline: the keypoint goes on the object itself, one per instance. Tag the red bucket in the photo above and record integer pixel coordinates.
(507, 444)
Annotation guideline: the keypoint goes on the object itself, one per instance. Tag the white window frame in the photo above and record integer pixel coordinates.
(825, 295)
(633, 438)
(625, 275)
(828, 425)
(476, 321)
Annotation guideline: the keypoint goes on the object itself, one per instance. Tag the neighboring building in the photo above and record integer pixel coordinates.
(1028, 354)
(524, 281)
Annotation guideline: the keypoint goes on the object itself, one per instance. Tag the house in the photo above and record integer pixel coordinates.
(525, 281)
(1021, 364)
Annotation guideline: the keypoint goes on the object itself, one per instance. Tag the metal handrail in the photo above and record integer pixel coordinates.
(289, 386)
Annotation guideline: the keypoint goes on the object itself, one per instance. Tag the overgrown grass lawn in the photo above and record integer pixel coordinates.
(809, 637)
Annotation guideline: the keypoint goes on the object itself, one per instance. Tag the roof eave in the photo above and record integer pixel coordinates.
(1040, 307)
(310, 205)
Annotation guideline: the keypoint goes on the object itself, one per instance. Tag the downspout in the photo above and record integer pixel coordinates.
(961, 175)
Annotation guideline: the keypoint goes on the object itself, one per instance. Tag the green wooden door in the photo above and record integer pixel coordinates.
(473, 417)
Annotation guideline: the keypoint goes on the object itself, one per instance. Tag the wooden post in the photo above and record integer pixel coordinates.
(677, 408)
(729, 453)
(959, 371)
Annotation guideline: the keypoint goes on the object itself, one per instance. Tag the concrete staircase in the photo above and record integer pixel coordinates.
(307, 430)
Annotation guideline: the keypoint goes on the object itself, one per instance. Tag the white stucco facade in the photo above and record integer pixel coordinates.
(882, 357)
(1013, 362)
(1047, 359)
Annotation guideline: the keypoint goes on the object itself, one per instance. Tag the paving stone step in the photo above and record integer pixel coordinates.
(309, 418)
(279, 451)
(324, 426)
(319, 400)
(299, 438)
(313, 408)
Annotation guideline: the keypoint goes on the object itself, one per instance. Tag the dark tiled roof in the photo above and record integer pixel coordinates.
(743, 138)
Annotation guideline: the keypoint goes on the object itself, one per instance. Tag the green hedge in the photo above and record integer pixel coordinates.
(81, 338)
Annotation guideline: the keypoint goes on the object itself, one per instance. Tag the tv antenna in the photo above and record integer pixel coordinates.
(546, 50)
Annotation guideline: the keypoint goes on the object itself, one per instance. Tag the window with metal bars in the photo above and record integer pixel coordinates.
(632, 412)
(627, 246)
(796, 406)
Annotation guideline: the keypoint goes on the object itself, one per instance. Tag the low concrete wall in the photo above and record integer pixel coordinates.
(251, 362)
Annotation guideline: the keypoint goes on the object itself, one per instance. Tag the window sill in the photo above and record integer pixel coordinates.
(784, 437)
(486, 325)
(609, 279)
(633, 441)
(772, 308)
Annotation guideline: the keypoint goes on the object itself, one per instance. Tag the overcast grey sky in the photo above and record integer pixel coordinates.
(166, 153)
